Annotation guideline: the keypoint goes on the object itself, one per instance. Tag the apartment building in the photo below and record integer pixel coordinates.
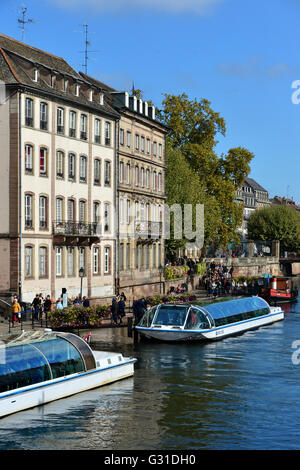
(140, 194)
(57, 176)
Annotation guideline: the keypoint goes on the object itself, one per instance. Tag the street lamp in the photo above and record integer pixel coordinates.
(81, 275)
(161, 269)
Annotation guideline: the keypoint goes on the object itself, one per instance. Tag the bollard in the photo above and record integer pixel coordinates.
(129, 327)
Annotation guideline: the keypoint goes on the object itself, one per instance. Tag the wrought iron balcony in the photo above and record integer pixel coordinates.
(76, 229)
(148, 229)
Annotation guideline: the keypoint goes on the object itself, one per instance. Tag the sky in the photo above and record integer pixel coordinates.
(242, 56)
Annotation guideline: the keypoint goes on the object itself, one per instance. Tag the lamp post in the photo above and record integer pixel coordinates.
(161, 269)
(81, 275)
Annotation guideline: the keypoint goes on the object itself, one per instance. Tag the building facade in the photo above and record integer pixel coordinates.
(253, 196)
(57, 171)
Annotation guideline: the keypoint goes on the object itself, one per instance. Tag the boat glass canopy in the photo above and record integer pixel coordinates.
(34, 357)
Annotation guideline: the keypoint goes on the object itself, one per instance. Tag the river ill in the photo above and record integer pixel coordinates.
(238, 393)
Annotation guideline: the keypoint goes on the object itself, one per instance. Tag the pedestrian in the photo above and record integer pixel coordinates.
(114, 310)
(59, 305)
(36, 307)
(15, 311)
(86, 302)
(121, 309)
(77, 301)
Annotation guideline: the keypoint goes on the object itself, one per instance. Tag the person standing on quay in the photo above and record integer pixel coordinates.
(15, 311)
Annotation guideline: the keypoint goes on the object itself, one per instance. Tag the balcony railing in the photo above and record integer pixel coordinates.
(148, 229)
(76, 229)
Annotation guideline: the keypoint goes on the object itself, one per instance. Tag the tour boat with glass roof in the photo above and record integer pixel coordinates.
(186, 322)
(37, 367)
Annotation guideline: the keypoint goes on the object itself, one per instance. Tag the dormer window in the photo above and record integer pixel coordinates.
(101, 99)
(35, 74)
(77, 90)
(65, 85)
(52, 79)
(91, 95)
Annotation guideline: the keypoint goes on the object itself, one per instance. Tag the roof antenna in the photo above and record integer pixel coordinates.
(87, 44)
(23, 21)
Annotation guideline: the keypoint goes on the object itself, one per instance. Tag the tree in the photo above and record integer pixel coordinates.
(276, 223)
(194, 128)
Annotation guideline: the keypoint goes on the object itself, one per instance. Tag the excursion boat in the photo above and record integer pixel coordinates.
(279, 290)
(187, 322)
(37, 367)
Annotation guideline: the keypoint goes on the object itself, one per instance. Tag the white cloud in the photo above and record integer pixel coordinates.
(174, 6)
(255, 68)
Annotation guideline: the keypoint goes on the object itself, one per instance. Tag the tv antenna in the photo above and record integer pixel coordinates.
(23, 21)
(86, 50)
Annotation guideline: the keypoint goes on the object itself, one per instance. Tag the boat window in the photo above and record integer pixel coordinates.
(63, 357)
(233, 311)
(196, 320)
(171, 315)
(148, 317)
(23, 365)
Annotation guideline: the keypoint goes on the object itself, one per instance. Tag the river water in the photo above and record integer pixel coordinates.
(238, 393)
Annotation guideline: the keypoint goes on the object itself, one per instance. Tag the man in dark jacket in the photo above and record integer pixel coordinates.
(114, 310)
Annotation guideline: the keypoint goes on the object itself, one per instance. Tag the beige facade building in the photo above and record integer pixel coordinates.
(57, 176)
(140, 194)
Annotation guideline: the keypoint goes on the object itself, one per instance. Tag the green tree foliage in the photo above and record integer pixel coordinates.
(193, 130)
(276, 223)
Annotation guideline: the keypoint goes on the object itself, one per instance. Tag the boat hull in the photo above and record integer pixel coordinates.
(45, 392)
(164, 334)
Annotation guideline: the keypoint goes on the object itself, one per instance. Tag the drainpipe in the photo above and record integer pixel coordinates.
(20, 200)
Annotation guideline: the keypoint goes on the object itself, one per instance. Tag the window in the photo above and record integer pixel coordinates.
(59, 164)
(65, 84)
(148, 178)
(136, 211)
(96, 212)
(59, 209)
(77, 90)
(121, 137)
(136, 175)
(70, 260)
(43, 212)
(128, 139)
(43, 116)
(127, 255)
(82, 212)
(128, 173)
(29, 112)
(154, 179)
(43, 161)
(28, 261)
(106, 260)
(106, 217)
(58, 261)
(97, 131)
(83, 127)
(127, 211)
(107, 173)
(96, 260)
(28, 159)
(101, 99)
(28, 211)
(154, 256)
(52, 81)
(154, 148)
(72, 124)
(43, 261)
(107, 133)
(121, 172)
(137, 142)
(60, 120)
(71, 166)
(142, 177)
(83, 169)
(143, 144)
(35, 74)
(97, 171)
(91, 95)
(121, 210)
(136, 256)
(148, 146)
(71, 212)
(159, 182)
(160, 150)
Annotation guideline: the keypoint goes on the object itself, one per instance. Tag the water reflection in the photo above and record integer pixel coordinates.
(238, 393)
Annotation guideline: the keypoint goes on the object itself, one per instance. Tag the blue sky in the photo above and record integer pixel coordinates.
(243, 56)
